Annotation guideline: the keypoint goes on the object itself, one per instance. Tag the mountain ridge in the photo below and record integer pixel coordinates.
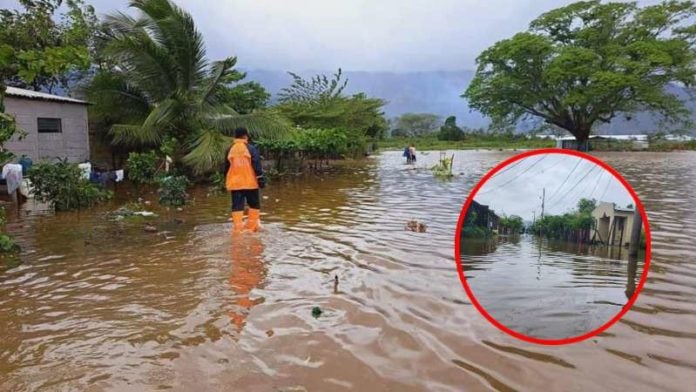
(439, 92)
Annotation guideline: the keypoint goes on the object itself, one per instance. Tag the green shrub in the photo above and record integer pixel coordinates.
(7, 244)
(142, 167)
(444, 168)
(63, 186)
(476, 232)
(217, 179)
(172, 191)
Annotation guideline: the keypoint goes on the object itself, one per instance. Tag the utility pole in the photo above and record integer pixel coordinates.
(634, 245)
(543, 199)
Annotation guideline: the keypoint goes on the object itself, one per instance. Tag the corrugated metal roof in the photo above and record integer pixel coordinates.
(30, 94)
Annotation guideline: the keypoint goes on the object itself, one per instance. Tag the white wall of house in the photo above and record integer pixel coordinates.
(606, 230)
(71, 143)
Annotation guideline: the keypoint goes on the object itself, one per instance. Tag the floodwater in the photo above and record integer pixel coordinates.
(99, 305)
(549, 289)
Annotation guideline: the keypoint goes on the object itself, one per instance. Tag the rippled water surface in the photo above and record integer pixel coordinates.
(549, 289)
(99, 305)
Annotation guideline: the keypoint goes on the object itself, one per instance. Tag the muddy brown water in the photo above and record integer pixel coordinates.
(99, 305)
(549, 289)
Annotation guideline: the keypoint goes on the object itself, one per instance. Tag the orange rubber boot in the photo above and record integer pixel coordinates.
(253, 220)
(238, 221)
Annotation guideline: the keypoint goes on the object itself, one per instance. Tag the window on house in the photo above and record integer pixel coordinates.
(49, 125)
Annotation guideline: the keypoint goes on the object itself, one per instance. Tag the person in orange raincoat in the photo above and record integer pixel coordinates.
(243, 178)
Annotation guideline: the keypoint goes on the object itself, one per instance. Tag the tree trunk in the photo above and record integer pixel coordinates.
(582, 136)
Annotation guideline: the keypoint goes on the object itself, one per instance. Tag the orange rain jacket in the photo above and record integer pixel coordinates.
(243, 167)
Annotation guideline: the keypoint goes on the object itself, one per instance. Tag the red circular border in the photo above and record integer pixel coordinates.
(470, 293)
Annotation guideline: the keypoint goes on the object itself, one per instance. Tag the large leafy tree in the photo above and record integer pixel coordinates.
(42, 50)
(160, 86)
(587, 63)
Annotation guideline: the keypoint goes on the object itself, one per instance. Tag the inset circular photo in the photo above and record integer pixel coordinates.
(553, 246)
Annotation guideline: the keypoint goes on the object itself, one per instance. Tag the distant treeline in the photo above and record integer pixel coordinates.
(573, 226)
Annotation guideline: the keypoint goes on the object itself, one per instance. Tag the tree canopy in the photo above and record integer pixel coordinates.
(40, 50)
(450, 130)
(415, 124)
(587, 63)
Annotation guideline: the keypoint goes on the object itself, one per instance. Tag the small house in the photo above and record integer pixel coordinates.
(613, 224)
(56, 127)
(483, 216)
(605, 142)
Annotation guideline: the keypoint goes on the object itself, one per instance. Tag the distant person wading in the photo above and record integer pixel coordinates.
(410, 154)
(243, 178)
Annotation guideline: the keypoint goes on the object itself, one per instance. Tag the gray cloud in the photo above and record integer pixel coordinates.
(372, 35)
(518, 190)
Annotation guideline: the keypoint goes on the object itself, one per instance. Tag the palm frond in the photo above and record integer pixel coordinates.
(160, 117)
(146, 64)
(266, 124)
(114, 100)
(220, 70)
(207, 151)
(174, 29)
(132, 136)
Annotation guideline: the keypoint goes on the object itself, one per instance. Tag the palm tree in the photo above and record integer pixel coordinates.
(159, 84)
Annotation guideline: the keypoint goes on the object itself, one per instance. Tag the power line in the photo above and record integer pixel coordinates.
(514, 178)
(566, 179)
(598, 181)
(606, 188)
(576, 184)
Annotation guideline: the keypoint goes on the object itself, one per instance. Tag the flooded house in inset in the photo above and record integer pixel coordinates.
(482, 216)
(613, 224)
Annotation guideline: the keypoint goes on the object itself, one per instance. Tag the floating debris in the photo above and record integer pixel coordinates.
(125, 212)
(415, 226)
(148, 228)
(316, 312)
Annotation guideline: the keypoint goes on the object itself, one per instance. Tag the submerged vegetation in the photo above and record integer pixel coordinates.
(64, 187)
(444, 167)
(7, 243)
(473, 230)
(510, 225)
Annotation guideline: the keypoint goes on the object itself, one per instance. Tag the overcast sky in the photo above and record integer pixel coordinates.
(357, 35)
(517, 189)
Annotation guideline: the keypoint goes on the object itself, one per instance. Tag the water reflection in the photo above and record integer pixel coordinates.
(549, 289)
(248, 272)
(99, 305)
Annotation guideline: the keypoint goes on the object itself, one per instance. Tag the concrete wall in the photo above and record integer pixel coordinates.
(72, 143)
(612, 233)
